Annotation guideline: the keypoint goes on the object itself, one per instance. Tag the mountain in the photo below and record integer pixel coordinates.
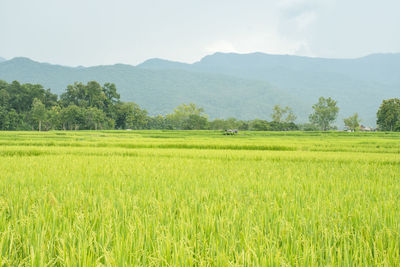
(2, 59)
(375, 67)
(158, 63)
(245, 86)
(359, 85)
(160, 91)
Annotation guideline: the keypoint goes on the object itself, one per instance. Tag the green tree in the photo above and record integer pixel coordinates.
(95, 95)
(9, 119)
(259, 125)
(21, 96)
(38, 112)
(291, 117)
(53, 118)
(308, 127)
(156, 122)
(352, 122)
(89, 95)
(195, 122)
(279, 113)
(224, 124)
(4, 98)
(72, 117)
(15, 120)
(95, 118)
(325, 113)
(4, 118)
(130, 116)
(182, 113)
(243, 125)
(388, 116)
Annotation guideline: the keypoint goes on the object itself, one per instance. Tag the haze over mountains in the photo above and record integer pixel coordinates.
(244, 86)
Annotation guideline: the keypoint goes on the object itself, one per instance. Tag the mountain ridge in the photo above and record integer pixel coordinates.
(358, 84)
(234, 85)
(159, 91)
(155, 59)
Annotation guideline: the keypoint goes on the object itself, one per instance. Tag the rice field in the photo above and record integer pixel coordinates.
(199, 198)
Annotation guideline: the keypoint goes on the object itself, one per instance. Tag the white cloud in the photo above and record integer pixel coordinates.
(296, 22)
(304, 20)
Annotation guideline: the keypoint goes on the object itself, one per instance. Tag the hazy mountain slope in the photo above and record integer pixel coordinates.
(2, 59)
(159, 91)
(158, 63)
(240, 85)
(378, 67)
(359, 85)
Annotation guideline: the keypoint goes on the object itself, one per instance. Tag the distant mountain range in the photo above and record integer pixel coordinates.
(2, 59)
(244, 86)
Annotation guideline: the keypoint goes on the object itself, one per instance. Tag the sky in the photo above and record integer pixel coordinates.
(100, 32)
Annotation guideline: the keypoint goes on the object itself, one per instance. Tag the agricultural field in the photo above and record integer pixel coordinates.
(199, 198)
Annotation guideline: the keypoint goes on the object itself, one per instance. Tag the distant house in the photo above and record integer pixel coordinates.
(366, 129)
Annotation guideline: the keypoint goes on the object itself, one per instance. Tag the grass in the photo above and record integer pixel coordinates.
(182, 198)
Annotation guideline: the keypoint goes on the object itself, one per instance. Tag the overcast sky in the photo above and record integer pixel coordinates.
(93, 32)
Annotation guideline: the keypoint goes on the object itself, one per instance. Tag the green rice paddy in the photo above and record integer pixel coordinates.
(199, 198)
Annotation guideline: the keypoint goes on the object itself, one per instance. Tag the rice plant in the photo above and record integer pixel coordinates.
(170, 198)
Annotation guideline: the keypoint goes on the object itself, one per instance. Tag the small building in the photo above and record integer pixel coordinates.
(366, 129)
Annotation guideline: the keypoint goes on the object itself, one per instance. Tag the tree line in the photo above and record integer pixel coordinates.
(93, 106)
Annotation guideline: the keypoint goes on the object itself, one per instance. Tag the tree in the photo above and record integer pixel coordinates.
(95, 118)
(53, 120)
(195, 122)
(325, 112)
(21, 96)
(85, 106)
(89, 95)
(278, 114)
(291, 117)
(111, 99)
(218, 124)
(4, 118)
(9, 119)
(308, 127)
(156, 122)
(224, 124)
(4, 98)
(259, 125)
(353, 122)
(388, 116)
(38, 112)
(182, 113)
(282, 126)
(95, 95)
(71, 117)
(243, 125)
(130, 116)
(110, 91)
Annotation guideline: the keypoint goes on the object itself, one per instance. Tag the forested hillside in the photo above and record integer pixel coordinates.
(234, 85)
(159, 91)
(358, 84)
